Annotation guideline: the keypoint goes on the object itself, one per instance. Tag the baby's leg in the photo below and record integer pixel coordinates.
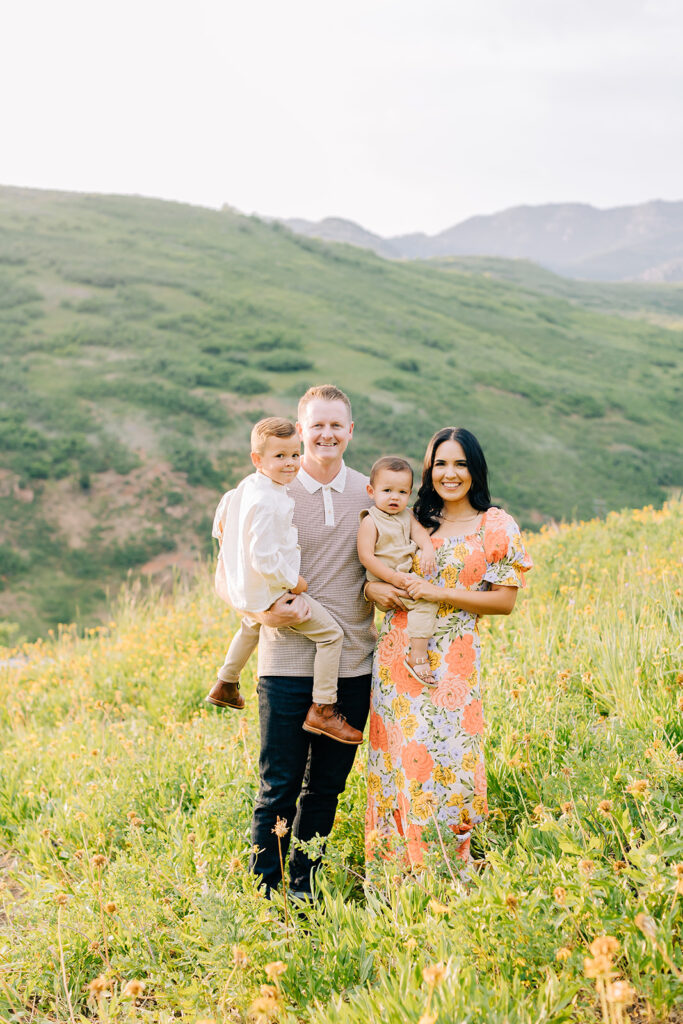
(421, 624)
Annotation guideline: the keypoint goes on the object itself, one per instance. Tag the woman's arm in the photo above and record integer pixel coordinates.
(496, 601)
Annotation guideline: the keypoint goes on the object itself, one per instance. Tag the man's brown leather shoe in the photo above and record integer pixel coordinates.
(327, 720)
(226, 695)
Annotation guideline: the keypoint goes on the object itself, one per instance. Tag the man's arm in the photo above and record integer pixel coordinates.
(385, 596)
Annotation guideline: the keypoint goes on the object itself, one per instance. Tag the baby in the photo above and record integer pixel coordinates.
(259, 561)
(388, 537)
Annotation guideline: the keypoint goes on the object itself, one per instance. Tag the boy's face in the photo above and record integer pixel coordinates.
(279, 460)
(325, 429)
(391, 490)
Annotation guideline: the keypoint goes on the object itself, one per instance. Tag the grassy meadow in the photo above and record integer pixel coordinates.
(140, 339)
(125, 808)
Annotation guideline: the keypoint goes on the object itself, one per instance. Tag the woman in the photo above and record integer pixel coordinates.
(426, 776)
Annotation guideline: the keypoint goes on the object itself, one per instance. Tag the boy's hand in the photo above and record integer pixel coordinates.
(300, 587)
(401, 580)
(427, 560)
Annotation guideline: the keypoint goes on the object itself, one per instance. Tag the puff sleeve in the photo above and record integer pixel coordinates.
(507, 560)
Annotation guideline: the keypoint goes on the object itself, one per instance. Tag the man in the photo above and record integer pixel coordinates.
(302, 775)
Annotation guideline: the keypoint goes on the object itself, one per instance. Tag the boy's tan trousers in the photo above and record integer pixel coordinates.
(321, 628)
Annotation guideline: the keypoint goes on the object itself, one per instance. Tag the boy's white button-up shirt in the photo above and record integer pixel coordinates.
(259, 557)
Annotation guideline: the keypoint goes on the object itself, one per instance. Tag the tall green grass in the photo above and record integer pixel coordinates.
(125, 809)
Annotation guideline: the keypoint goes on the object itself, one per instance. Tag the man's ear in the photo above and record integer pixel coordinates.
(256, 459)
(299, 430)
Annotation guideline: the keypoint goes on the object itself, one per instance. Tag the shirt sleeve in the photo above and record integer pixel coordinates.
(266, 539)
(220, 516)
(507, 560)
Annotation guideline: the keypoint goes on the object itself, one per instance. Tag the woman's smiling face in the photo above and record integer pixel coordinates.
(451, 478)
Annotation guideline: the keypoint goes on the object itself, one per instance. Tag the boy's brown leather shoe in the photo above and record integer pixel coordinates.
(327, 720)
(226, 695)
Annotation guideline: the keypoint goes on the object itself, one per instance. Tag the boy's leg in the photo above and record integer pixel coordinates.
(328, 637)
(242, 646)
(324, 717)
(226, 691)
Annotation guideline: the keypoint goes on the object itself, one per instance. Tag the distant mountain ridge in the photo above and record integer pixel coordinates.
(625, 243)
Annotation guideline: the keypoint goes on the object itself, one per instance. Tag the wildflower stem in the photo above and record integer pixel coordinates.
(443, 850)
(63, 965)
(102, 922)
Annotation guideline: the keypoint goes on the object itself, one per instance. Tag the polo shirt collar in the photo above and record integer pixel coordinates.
(311, 485)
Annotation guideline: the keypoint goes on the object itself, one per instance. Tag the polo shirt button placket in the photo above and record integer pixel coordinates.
(328, 506)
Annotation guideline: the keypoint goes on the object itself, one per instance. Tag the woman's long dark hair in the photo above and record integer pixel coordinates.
(428, 504)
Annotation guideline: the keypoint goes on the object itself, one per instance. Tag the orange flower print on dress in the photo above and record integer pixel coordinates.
(480, 779)
(495, 545)
(473, 569)
(461, 656)
(394, 740)
(450, 693)
(392, 647)
(378, 733)
(417, 761)
(473, 718)
(403, 681)
(416, 846)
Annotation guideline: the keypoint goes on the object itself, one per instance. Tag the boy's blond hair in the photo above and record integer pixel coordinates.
(326, 392)
(271, 426)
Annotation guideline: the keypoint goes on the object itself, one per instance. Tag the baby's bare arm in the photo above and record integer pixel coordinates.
(423, 539)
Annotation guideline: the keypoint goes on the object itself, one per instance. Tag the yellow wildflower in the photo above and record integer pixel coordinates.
(563, 953)
(434, 974)
(275, 969)
(604, 945)
(620, 992)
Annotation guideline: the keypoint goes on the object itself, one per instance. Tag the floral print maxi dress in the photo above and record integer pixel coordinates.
(426, 776)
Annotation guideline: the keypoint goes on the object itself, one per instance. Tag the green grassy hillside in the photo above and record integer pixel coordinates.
(140, 339)
(125, 807)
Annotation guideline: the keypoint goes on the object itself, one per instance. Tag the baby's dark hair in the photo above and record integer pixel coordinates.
(271, 426)
(392, 462)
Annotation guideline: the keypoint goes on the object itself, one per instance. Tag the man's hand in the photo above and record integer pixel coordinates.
(288, 610)
(385, 596)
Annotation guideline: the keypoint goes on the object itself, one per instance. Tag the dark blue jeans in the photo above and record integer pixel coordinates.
(301, 774)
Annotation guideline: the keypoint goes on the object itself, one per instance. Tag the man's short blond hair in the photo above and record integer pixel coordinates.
(271, 426)
(326, 392)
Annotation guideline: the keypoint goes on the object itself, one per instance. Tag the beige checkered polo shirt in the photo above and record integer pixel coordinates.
(327, 518)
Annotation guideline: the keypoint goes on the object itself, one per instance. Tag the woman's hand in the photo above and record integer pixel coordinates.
(422, 590)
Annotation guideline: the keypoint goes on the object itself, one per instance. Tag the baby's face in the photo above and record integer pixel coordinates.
(280, 459)
(391, 490)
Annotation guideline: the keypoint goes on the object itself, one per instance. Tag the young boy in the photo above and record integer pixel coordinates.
(259, 561)
(388, 537)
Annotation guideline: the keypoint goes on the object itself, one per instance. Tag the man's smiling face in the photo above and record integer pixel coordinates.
(325, 429)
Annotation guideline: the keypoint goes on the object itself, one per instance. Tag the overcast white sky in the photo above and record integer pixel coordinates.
(403, 115)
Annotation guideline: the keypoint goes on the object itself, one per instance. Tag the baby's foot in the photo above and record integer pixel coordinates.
(422, 672)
